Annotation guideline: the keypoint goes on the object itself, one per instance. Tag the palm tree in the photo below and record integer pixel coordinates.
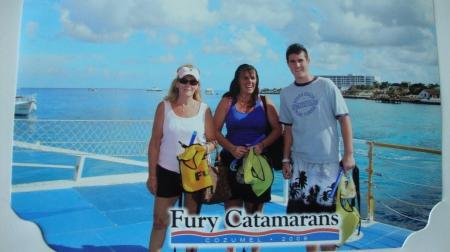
(302, 179)
(312, 196)
(325, 196)
(316, 193)
(294, 191)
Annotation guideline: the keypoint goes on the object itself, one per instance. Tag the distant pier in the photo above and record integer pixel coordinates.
(395, 100)
(388, 100)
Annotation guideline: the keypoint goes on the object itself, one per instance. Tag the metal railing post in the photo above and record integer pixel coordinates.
(286, 191)
(79, 167)
(370, 199)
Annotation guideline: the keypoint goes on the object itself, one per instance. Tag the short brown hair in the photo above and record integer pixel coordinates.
(296, 48)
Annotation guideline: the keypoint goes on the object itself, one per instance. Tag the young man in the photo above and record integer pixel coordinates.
(310, 108)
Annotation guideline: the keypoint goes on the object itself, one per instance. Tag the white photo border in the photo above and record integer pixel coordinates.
(14, 231)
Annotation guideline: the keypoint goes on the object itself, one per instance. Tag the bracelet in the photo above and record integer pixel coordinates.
(285, 160)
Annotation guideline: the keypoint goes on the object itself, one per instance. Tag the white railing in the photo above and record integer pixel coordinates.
(413, 203)
(125, 142)
(107, 137)
(119, 141)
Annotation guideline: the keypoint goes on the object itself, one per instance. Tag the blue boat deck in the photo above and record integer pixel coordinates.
(119, 218)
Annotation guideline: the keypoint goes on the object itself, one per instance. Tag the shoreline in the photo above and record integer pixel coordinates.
(393, 100)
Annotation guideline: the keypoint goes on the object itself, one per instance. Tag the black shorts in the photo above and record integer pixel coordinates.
(242, 191)
(169, 183)
(298, 206)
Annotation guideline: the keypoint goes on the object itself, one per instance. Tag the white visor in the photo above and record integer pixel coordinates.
(183, 71)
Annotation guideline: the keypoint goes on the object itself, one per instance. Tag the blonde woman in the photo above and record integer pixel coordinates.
(176, 118)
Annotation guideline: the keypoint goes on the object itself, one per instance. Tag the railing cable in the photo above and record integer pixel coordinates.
(387, 160)
(406, 202)
(410, 183)
(401, 214)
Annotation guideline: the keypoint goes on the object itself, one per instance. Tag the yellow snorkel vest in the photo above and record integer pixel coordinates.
(194, 168)
(350, 217)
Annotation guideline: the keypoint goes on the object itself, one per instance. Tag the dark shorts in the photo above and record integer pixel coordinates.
(242, 191)
(298, 206)
(169, 183)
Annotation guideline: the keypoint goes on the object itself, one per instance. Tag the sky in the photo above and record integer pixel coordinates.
(141, 43)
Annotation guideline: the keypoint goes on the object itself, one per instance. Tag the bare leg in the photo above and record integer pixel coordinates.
(160, 222)
(312, 248)
(232, 204)
(191, 204)
(251, 208)
(328, 247)
(193, 208)
(315, 248)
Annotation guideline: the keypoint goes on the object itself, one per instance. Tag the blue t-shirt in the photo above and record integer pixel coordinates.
(246, 128)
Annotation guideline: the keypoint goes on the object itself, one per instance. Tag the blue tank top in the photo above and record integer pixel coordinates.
(246, 128)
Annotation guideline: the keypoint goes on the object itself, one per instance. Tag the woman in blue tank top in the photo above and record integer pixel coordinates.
(242, 111)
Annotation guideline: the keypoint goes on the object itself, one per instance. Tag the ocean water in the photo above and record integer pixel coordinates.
(407, 184)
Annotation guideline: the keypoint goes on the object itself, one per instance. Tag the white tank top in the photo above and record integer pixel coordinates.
(175, 129)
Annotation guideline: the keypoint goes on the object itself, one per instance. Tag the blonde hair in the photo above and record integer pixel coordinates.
(172, 95)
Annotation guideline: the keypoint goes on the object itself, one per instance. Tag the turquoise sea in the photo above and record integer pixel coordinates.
(406, 184)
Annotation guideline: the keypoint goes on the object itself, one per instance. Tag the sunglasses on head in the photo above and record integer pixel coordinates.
(186, 81)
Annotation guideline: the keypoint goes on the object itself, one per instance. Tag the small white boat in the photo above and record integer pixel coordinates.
(209, 91)
(25, 105)
(433, 100)
(154, 89)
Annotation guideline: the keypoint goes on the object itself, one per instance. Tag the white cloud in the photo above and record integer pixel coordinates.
(329, 56)
(375, 23)
(257, 12)
(397, 35)
(272, 55)
(83, 32)
(394, 39)
(245, 44)
(103, 20)
(168, 58)
(401, 64)
(173, 39)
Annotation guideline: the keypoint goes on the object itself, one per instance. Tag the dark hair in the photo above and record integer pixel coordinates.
(296, 48)
(235, 88)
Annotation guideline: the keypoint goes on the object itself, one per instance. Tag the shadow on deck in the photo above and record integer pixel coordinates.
(119, 218)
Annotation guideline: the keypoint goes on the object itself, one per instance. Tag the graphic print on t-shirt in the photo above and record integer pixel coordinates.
(304, 104)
